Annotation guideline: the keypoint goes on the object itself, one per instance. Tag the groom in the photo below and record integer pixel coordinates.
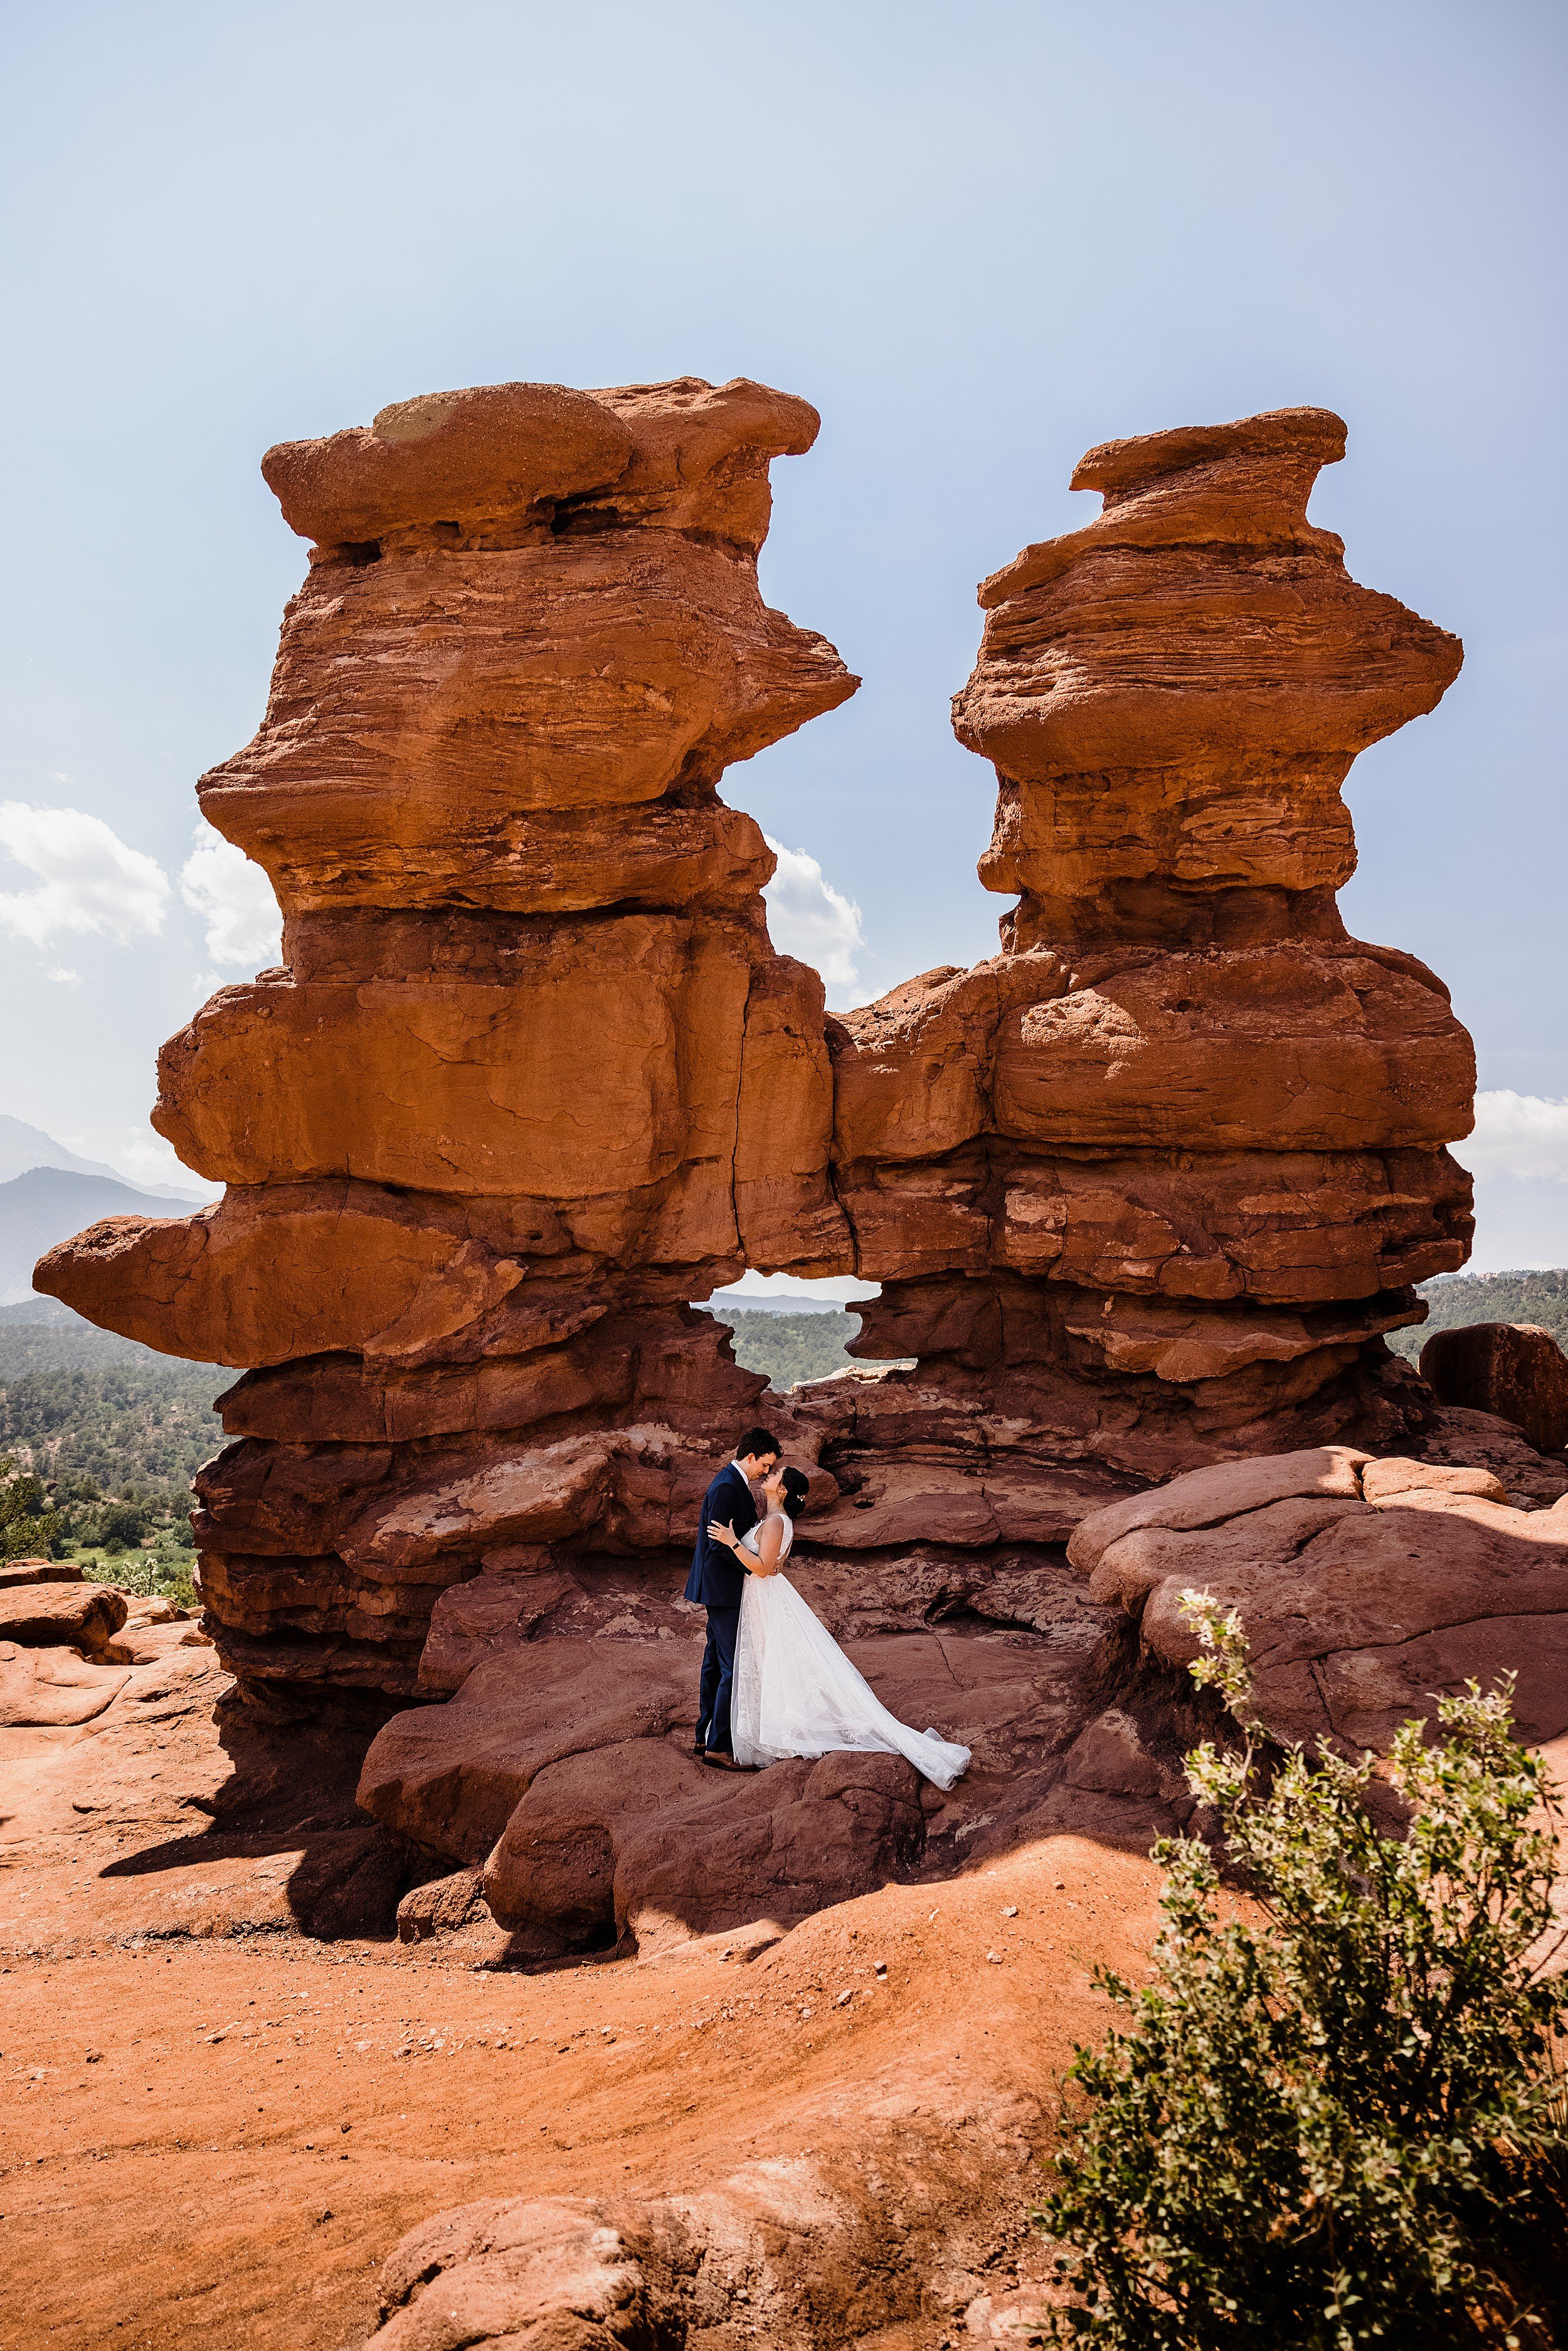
(716, 1582)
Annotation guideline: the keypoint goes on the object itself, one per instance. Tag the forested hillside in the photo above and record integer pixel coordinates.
(1455, 1301)
(792, 1347)
(106, 1436)
(149, 1426)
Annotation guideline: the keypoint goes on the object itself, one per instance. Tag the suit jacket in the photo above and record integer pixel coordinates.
(716, 1580)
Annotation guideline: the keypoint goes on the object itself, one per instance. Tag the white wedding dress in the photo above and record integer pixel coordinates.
(796, 1693)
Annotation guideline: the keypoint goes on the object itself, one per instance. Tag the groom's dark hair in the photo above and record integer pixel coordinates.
(756, 1441)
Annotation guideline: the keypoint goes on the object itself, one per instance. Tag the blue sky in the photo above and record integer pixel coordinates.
(979, 237)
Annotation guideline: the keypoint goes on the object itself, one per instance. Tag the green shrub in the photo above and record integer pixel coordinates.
(122, 1524)
(28, 1527)
(1335, 2121)
(149, 1574)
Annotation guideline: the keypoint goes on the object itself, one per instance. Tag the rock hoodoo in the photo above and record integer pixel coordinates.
(531, 1075)
(1144, 1191)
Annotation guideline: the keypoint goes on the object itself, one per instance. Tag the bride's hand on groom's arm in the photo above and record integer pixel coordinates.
(719, 1532)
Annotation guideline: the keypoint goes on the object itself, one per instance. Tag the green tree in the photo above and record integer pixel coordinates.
(1336, 2119)
(28, 1527)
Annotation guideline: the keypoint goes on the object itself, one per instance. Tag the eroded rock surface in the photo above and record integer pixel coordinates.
(1144, 1191)
(530, 1076)
(1366, 1588)
(562, 1765)
(1514, 1370)
(1149, 1187)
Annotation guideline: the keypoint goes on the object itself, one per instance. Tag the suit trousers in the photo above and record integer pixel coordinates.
(718, 1669)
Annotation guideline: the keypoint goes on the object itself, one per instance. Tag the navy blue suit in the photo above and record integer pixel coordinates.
(716, 1583)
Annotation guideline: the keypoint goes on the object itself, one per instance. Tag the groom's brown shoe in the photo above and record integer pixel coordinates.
(720, 1761)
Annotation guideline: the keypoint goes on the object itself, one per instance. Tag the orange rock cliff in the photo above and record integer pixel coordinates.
(1143, 1192)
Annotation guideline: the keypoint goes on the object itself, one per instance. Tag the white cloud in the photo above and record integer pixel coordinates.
(1518, 1135)
(808, 919)
(63, 975)
(144, 1158)
(234, 900)
(89, 880)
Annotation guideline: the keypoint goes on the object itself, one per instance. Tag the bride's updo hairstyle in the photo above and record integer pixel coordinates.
(797, 1486)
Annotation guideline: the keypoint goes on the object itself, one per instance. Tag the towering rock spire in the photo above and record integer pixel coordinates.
(1172, 696)
(1148, 1186)
(530, 1075)
(1142, 1191)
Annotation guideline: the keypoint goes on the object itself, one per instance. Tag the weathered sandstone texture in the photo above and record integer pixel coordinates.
(1366, 1587)
(1515, 1370)
(1147, 1188)
(531, 1076)
(1144, 1191)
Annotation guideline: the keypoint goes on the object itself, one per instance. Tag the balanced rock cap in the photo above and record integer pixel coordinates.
(1118, 466)
(1242, 484)
(500, 450)
(447, 456)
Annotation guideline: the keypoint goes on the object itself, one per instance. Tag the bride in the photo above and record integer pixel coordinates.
(795, 1691)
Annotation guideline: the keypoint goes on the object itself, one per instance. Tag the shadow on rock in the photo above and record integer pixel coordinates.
(291, 1792)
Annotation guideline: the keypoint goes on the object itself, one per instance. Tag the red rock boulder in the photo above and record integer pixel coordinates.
(1515, 1370)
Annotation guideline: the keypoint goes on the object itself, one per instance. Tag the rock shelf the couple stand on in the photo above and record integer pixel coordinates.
(1143, 1192)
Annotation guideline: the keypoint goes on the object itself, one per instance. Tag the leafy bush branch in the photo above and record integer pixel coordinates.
(1337, 2118)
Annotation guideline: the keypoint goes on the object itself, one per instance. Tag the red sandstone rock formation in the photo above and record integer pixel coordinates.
(1148, 1188)
(531, 1075)
(1515, 1370)
(1142, 1191)
(1363, 1587)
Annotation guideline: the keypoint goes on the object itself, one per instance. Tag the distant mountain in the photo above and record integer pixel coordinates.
(24, 1147)
(49, 1203)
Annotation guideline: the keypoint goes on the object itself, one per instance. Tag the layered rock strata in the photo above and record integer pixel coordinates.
(530, 1076)
(1142, 1191)
(1148, 1188)
(1366, 1588)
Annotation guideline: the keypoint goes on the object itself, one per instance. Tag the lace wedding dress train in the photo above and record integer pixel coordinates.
(796, 1693)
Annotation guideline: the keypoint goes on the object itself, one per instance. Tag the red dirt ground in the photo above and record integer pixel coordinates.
(212, 2136)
